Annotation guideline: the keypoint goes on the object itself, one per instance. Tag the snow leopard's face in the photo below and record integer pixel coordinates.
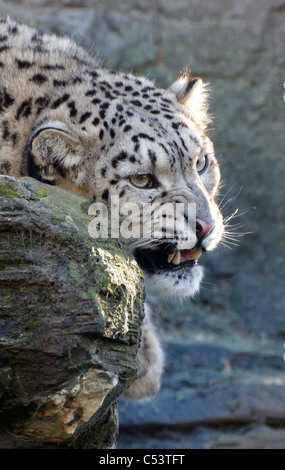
(158, 166)
(155, 186)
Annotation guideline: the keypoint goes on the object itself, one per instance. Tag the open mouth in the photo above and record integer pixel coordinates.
(160, 259)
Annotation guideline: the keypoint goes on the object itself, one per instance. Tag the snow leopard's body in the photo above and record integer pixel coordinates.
(65, 120)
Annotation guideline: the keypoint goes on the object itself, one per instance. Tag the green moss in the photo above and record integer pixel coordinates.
(91, 294)
(8, 192)
(2, 266)
(75, 273)
(7, 298)
(62, 240)
(34, 324)
(40, 192)
(55, 220)
(33, 319)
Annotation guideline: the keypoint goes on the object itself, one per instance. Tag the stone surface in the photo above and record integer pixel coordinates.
(239, 48)
(70, 312)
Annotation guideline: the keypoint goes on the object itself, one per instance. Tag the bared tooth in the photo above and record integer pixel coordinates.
(196, 253)
(170, 257)
(177, 258)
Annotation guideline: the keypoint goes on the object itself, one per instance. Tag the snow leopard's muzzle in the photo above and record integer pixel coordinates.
(174, 271)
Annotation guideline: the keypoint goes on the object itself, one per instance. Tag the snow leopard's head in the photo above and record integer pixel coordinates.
(148, 150)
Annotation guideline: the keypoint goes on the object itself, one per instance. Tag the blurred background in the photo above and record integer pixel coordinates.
(224, 385)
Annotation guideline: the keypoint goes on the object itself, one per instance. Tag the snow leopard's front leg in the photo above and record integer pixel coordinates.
(151, 362)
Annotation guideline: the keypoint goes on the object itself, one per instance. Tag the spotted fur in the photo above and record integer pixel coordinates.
(67, 120)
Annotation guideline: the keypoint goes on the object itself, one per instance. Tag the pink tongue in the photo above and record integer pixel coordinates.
(185, 255)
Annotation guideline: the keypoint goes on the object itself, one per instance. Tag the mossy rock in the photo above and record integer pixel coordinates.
(70, 315)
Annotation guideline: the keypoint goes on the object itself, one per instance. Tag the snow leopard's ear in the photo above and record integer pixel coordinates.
(55, 143)
(193, 94)
(53, 149)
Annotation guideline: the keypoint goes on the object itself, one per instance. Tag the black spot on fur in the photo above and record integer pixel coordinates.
(183, 143)
(119, 158)
(101, 134)
(52, 67)
(109, 96)
(136, 103)
(152, 157)
(104, 105)
(122, 193)
(15, 138)
(148, 88)
(24, 64)
(24, 110)
(106, 84)
(105, 194)
(77, 80)
(42, 102)
(90, 93)
(84, 117)
(164, 148)
(145, 136)
(59, 101)
(93, 73)
(127, 128)
(96, 101)
(6, 100)
(39, 79)
(5, 133)
(73, 110)
(59, 83)
(96, 121)
(4, 48)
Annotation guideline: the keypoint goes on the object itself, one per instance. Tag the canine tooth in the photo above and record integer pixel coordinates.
(177, 258)
(170, 257)
(196, 254)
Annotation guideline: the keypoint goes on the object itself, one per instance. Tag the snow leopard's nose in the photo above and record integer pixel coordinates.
(203, 229)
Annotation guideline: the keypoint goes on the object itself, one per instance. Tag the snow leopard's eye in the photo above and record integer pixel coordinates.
(202, 164)
(142, 181)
